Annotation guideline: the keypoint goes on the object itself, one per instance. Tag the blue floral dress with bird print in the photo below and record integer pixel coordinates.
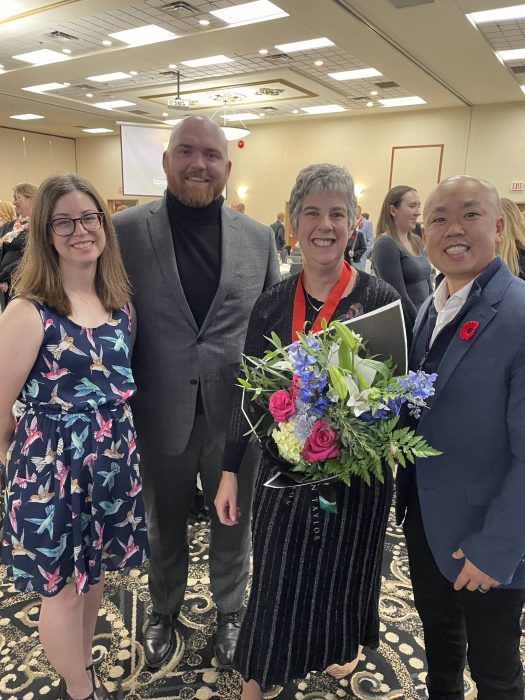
(73, 506)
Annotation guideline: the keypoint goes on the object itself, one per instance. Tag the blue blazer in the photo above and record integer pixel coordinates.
(473, 495)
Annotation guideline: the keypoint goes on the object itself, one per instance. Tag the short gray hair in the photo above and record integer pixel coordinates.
(322, 177)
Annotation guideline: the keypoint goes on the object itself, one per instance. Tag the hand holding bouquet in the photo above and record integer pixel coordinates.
(332, 409)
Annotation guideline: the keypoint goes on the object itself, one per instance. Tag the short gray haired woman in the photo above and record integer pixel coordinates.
(314, 599)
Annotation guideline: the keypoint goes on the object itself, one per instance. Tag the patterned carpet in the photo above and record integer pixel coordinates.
(395, 670)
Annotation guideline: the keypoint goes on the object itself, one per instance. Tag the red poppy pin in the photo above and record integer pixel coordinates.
(468, 329)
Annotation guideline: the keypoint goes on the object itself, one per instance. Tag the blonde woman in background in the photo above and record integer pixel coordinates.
(14, 236)
(512, 246)
(7, 214)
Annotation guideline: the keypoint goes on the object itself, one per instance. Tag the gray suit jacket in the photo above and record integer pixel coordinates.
(172, 355)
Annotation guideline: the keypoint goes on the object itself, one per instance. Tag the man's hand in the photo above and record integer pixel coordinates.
(226, 499)
(471, 577)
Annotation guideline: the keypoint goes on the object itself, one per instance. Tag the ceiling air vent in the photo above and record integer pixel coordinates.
(268, 109)
(91, 88)
(169, 73)
(63, 36)
(400, 4)
(279, 57)
(518, 69)
(358, 99)
(137, 111)
(388, 84)
(180, 7)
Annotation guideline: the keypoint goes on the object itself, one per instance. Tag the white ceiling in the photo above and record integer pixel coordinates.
(428, 49)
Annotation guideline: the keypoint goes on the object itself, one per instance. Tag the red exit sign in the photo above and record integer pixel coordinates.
(516, 187)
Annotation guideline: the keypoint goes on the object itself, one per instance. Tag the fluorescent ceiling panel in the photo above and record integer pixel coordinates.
(207, 61)
(511, 54)
(320, 43)
(323, 109)
(9, 8)
(355, 74)
(108, 77)
(42, 57)
(98, 130)
(501, 14)
(402, 101)
(522, 88)
(240, 117)
(45, 87)
(140, 36)
(172, 122)
(26, 117)
(114, 104)
(249, 13)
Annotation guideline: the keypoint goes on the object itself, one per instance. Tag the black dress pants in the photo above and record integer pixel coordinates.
(461, 625)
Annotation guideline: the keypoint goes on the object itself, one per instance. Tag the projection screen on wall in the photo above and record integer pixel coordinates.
(141, 149)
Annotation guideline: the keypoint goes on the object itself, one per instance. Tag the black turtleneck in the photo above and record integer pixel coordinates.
(196, 235)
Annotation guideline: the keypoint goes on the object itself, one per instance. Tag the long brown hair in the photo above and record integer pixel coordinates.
(513, 235)
(38, 276)
(386, 222)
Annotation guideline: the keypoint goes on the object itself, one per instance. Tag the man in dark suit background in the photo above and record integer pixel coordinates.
(196, 268)
(465, 509)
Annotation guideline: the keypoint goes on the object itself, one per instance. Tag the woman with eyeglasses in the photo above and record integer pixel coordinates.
(73, 508)
(13, 235)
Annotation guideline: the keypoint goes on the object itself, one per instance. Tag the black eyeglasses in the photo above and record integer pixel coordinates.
(65, 226)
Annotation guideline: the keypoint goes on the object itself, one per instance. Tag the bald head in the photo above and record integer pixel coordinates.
(196, 161)
(463, 182)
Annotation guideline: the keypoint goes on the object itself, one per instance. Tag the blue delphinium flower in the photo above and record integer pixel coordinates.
(300, 358)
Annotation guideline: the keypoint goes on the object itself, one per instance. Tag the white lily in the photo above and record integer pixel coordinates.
(357, 400)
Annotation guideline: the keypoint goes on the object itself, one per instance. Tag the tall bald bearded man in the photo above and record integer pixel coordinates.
(196, 268)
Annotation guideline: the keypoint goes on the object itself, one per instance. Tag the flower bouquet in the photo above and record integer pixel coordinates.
(332, 410)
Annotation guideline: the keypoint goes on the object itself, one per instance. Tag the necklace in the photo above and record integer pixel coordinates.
(314, 307)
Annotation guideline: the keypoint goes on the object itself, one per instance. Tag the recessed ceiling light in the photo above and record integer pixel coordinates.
(172, 65)
(89, 94)
(1, 65)
(42, 57)
(318, 63)
(173, 122)
(323, 109)
(133, 72)
(99, 130)
(114, 104)
(374, 92)
(240, 117)
(263, 52)
(107, 42)
(522, 88)
(262, 114)
(108, 77)
(402, 101)
(45, 87)
(511, 54)
(249, 13)
(204, 22)
(369, 104)
(295, 111)
(305, 45)
(66, 51)
(499, 15)
(165, 114)
(2, 70)
(355, 74)
(26, 117)
(140, 36)
(207, 61)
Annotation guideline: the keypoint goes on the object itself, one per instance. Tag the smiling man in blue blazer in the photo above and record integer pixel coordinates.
(464, 511)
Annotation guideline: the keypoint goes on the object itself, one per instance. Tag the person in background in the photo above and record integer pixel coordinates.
(366, 227)
(241, 208)
(68, 490)
(296, 623)
(7, 214)
(13, 237)
(206, 265)
(278, 229)
(512, 246)
(398, 256)
(464, 511)
(355, 249)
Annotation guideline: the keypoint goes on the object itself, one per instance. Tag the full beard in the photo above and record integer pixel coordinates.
(196, 197)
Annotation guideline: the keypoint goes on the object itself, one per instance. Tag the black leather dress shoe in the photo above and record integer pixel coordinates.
(159, 639)
(225, 639)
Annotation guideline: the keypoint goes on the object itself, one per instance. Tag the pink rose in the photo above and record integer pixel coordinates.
(320, 444)
(281, 405)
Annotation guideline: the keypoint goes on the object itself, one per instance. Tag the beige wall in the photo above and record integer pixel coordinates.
(29, 157)
(486, 141)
